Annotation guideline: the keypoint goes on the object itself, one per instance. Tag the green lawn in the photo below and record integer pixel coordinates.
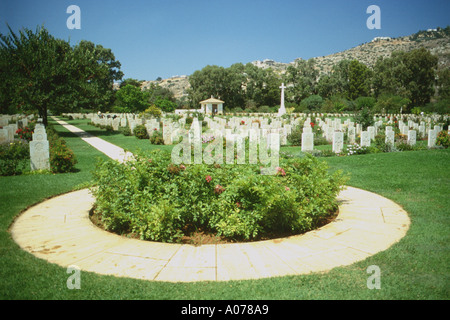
(414, 268)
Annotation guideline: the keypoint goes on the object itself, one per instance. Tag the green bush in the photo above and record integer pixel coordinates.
(126, 131)
(264, 109)
(364, 117)
(403, 146)
(312, 103)
(319, 140)
(295, 138)
(62, 159)
(13, 158)
(443, 139)
(157, 138)
(140, 132)
(161, 201)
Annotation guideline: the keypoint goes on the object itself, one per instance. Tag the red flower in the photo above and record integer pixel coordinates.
(208, 179)
(286, 188)
(219, 189)
(312, 124)
(281, 171)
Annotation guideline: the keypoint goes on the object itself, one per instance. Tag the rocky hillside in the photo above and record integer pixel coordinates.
(435, 40)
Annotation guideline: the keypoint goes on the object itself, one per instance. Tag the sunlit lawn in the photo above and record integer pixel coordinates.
(414, 268)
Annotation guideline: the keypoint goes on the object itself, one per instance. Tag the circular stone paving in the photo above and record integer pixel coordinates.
(59, 230)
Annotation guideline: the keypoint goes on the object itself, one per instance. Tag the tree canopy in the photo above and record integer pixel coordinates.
(41, 73)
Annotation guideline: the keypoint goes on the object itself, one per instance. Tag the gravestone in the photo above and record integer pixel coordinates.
(351, 135)
(432, 136)
(411, 137)
(115, 124)
(4, 136)
(338, 141)
(307, 141)
(167, 133)
(39, 149)
(390, 136)
(329, 133)
(307, 129)
(371, 131)
(365, 139)
(404, 130)
(422, 130)
(3, 122)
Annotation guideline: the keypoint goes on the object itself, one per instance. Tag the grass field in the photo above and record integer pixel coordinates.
(414, 268)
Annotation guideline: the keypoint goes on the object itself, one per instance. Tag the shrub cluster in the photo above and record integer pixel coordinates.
(161, 201)
(140, 132)
(62, 159)
(443, 139)
(157, 138)
(13, 157)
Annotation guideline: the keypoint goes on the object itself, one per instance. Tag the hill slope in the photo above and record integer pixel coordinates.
(437, 41)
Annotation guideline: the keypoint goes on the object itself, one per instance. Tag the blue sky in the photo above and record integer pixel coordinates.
(162, 38)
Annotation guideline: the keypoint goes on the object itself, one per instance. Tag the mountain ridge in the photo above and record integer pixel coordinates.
(437, 41)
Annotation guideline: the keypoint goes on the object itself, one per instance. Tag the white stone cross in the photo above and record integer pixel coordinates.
(282, 109)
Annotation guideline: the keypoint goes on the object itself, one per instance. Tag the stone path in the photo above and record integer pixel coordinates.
(59, 230)
(111, 150)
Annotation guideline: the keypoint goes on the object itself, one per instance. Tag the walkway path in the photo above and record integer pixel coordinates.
(111, 150)
(59, 230)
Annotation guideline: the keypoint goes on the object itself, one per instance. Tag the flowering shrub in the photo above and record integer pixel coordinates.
(161, 201)
(355, 148)
(156, 137)
(25, 133)
(443, 139)
(207, 138)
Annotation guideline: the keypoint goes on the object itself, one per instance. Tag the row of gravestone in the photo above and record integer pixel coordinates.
(39, 145)
(263, 125)
(8, 129)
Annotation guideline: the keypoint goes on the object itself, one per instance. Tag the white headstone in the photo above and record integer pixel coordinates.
(371, 131)
(4, 138)
(390, 136)
(365, 139)
(432, 136)
(412, 137)
(307, 141)
(338, 141)
(351, 135)
(39, 149)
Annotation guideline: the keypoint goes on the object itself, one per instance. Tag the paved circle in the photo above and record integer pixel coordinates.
(59, 230)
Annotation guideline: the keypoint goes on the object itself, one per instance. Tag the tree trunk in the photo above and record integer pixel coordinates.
(43, 115)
